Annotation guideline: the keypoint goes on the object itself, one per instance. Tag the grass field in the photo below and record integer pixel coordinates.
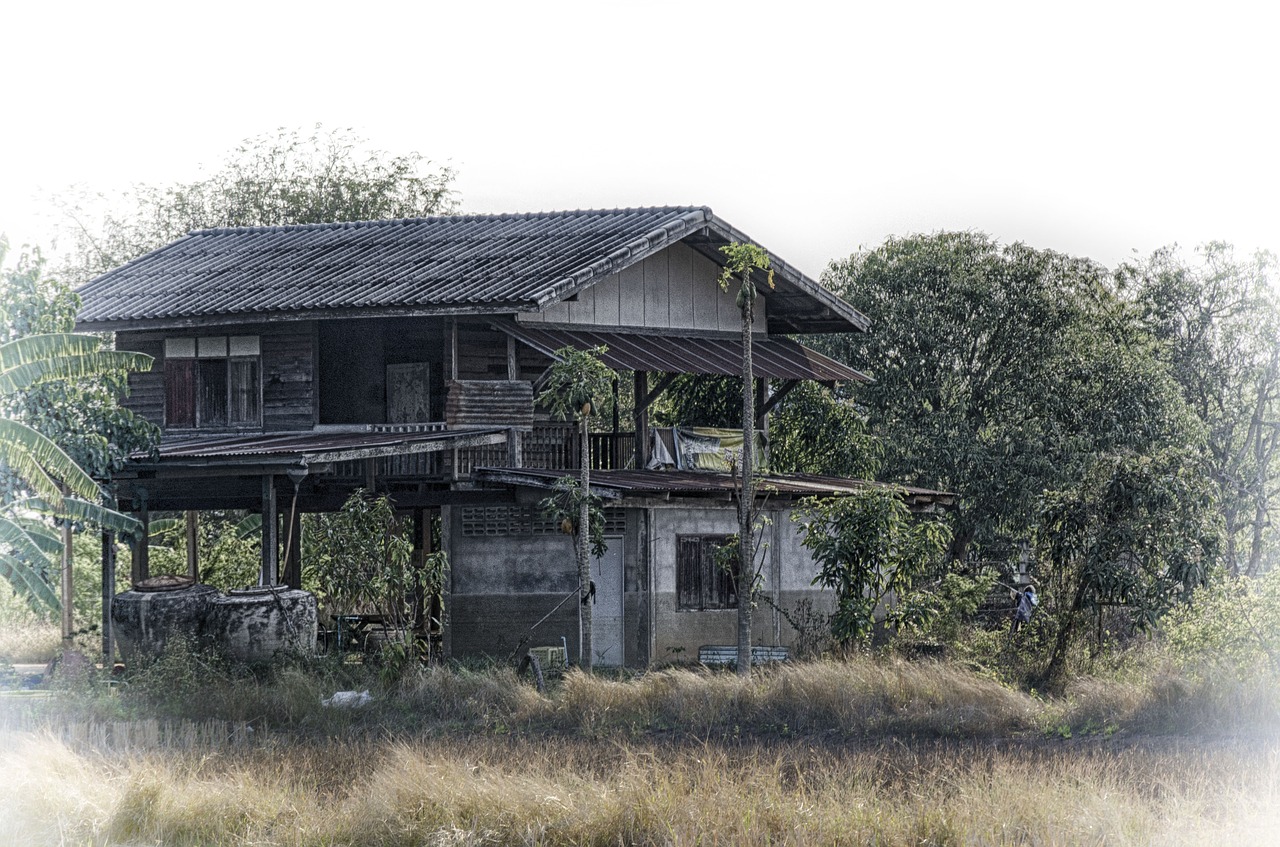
(861, 751)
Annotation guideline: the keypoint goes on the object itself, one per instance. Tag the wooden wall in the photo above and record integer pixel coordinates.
(288, 378)
(676, 288)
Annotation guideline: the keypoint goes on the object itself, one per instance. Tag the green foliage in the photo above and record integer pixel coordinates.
(58, 416)
(1232, 625)
(286, 177)
(361, 561)
(565, 507)
(740, 262)
(816, 431)
(698, 400)
(941, 609)
(999, 370)
(578, 384)
(867, 546)
(1141, 531)
(1218, 324)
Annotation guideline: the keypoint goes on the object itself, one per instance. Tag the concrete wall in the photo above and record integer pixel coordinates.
(675, 288)
(787, 570)
(502, 584)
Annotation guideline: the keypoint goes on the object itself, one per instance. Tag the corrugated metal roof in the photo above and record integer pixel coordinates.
(442, 265)
(614, 483)
(307, 447)
(776, 358)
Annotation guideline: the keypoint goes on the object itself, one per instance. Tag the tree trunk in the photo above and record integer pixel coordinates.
(746, 503)
(585, 598)
(1056, 662)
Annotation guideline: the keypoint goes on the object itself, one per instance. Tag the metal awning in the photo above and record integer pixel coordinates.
(616, 484)
(776, 358)
(309, 448)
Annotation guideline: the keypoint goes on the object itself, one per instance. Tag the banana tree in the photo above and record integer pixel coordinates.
(41, 480)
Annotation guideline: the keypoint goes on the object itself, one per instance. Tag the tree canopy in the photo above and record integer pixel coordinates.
(285, 177)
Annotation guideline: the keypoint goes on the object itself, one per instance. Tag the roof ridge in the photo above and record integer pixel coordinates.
(495, 216)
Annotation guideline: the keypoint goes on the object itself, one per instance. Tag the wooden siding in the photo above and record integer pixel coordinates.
(146, 390)
(288, 379)
(676, 288)
(288, 376)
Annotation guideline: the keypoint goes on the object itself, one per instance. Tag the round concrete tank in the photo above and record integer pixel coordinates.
(255, 624)
(155, 610)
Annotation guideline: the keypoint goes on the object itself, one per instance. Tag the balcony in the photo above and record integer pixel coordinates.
(547, 446)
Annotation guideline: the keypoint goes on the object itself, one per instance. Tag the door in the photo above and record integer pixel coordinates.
(606, 614)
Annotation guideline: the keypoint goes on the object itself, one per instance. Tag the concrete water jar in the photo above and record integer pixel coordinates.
(155, 610)
(256, 624)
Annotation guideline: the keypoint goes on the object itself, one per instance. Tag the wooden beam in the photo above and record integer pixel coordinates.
(108, 595)
(662, 386)
(68, 622)
(293, 548)
(193, 552)
(513, 368)
(768, 405)
(140, 567)
(270, 533)
(640, 388)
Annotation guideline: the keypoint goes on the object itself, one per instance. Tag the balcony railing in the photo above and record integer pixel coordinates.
(554, 446)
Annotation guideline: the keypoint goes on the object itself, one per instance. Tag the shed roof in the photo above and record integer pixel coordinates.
(615, 484)
(464, 264)
(776, 358)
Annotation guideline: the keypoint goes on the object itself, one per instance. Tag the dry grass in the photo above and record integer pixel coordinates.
(24, 642)
(570, 791)
(861, 751)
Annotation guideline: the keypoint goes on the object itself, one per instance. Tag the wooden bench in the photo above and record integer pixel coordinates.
(718, 654)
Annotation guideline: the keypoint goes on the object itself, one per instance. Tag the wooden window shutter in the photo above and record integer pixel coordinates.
(180, 392)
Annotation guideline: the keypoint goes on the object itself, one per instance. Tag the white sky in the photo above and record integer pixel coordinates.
(1093, 128)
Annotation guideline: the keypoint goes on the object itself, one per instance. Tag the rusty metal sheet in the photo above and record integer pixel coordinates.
(776, 358)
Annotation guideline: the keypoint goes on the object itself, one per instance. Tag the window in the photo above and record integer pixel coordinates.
(212, 382)
(701, 581)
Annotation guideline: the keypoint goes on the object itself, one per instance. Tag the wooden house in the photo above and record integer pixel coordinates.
(296, 364)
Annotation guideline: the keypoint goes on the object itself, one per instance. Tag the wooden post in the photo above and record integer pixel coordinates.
(513, 367)
(108, 594)
(68, 623)
(140, 565)
(193, 553)
(641, 419)
(293, 550)
(270, 533)
(515, 449)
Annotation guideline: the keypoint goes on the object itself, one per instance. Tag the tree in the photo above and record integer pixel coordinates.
(869, 549)
(578, 384)
(278, 178)
(1140, 531)
(740, 262)
(54, 386)
(965, 346)
(1219, 326)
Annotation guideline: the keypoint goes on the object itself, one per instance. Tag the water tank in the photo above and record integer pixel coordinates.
(156, 609)
(256, 624)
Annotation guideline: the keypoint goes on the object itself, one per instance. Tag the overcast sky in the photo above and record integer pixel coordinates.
(1095, 129)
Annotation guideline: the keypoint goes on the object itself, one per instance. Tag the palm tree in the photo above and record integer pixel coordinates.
(740, 261)
(40, 479)
(576, 384)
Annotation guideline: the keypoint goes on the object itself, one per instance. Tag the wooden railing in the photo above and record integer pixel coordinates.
(552, 446)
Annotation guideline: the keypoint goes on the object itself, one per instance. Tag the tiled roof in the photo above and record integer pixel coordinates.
(441, 265)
